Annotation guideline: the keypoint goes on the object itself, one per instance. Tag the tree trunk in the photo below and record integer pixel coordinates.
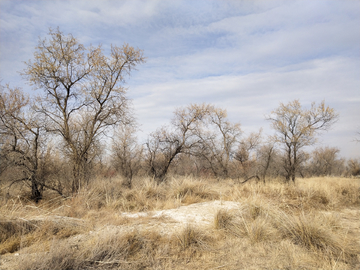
(36, 194)
(78, 176)
(268, 160)
(294, 165)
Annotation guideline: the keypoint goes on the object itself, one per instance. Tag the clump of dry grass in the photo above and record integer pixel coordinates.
(119, 249)
(223, 219)
(11, 233)
(251, 222)
(98, 251)
(310, 231)
(190, 191)
(325, 193)
(194, 238)
(21, 233)
(316, 232)
(332, 192)
(9, 228)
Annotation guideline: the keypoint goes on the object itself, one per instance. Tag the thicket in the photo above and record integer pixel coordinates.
(61, 139)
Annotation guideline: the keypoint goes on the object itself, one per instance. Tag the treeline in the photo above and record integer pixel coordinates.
(57, 140)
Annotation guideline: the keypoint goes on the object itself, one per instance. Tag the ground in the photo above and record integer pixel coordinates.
(189, 224)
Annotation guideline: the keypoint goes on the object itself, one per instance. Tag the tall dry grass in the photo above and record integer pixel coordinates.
(309, 225)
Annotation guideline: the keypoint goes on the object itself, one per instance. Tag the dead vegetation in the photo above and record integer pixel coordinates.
(310, 225)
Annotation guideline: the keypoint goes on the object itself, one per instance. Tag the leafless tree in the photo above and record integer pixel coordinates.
(165, 144)
(267, 155)
(127, 153)
(217, 141)
(324, 161)
(21, 136)
(296, 128)
(246, 154)
(83, 89)
(353, 167)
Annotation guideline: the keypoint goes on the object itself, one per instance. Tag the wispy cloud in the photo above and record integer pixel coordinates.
(246, 56)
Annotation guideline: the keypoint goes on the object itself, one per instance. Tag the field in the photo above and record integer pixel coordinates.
(186, 223)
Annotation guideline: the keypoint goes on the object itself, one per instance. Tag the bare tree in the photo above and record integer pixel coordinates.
(324, 161)
(164, 145)
(296, 128)
(267, 155)
(246, 154)
(21, 136)
(353, 167)
(127, 153)
(218, 140)
(83, 89)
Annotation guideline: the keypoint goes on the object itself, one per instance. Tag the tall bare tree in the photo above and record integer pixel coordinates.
(297, 127)
(83, 89)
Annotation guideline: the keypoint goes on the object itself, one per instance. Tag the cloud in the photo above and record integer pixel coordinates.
(249, 97)
(245, 56)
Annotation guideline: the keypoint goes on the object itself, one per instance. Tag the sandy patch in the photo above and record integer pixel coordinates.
(197, 214)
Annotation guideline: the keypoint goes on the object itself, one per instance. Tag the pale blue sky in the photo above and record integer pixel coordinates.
(245, 56)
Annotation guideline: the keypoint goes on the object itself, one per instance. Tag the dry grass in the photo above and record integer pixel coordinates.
(194, 238)
(310, 225)
(21, 233)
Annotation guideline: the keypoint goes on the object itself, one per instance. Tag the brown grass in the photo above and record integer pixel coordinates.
(310, 225)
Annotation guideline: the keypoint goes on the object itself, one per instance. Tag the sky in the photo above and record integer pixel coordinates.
(243, 56)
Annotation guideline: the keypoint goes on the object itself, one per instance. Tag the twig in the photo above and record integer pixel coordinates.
(221, 266)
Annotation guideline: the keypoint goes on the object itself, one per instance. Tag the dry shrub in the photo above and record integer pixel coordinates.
(310, 198)
(190, 191)
(117, 249)
(144, 196)
(319, 199)
(324, 193)
(193, 238)
(9, 228)
(249, 222)
(223, 219)
(310, 232)
(319, 233)
(133, 201)
(113, 198)
(109, 247)
(255, 211)
(332, 193)
(12, 233)
(152, 190)
(101, 250)
(256, 230)
(348, 195)
(24, 233)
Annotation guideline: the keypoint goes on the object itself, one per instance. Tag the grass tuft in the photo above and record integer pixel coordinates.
(194, 238)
